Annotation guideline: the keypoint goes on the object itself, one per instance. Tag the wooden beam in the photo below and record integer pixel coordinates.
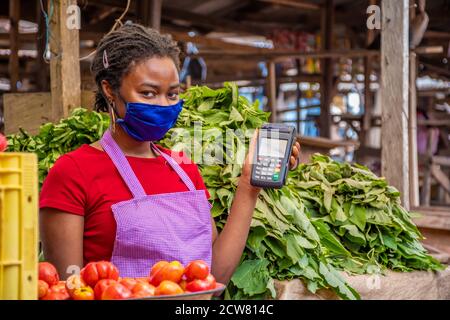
(223, 11)
(103, 14)
(280, 55)
(441, 161)
(441, 177)
(394, 95)
(219, 79)
(326, 86)
(272, 91)
(429, 50)
(64, 63)
(216, 24)
(14, 17)
(294, 4)
(434, 122)
(430, 34)
(412, 132)
(214, 42)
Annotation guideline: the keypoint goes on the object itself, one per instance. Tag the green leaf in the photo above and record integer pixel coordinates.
(358, 216)
(252, 276)
(334, 280)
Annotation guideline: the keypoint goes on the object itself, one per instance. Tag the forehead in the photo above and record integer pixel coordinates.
(153, 69)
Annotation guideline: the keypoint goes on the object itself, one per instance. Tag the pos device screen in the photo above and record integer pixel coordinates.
(272, 147)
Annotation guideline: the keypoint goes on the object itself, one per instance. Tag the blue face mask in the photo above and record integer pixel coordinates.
(149, 122)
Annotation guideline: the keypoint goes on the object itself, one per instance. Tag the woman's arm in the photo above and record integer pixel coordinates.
(62, 239)
(229, 245)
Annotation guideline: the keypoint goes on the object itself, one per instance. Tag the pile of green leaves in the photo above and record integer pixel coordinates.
(53, 140)
(331, 216)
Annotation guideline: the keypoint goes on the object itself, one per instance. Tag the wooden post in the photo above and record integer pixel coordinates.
(14, 17)
(412, 132)
(272, 91)
(367, 117)
(394, 95)
(42, 69)
(412, 123)
(326, 69)
(298, 95)
(151, 13)
(64, 63)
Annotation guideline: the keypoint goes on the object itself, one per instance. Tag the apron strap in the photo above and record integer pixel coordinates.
(118, 158)
(183, 175)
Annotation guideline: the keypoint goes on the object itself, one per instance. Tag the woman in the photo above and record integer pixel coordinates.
(126, 200)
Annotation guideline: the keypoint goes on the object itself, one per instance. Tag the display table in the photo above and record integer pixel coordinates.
(418, 285)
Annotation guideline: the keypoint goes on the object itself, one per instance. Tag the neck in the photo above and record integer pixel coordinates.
(130, 146)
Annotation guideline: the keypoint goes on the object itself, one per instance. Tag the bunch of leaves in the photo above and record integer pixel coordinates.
(53, 140)
(359, 217)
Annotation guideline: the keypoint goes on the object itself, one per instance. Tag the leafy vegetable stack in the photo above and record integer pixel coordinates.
(331, 216)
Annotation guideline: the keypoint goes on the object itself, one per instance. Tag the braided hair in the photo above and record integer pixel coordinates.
(123, 48)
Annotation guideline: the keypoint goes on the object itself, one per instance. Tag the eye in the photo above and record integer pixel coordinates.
(148, 94)
(173, 95)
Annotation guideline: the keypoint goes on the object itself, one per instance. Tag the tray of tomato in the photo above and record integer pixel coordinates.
(101, 281)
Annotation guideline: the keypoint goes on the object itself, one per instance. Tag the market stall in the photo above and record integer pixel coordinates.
(336, 230)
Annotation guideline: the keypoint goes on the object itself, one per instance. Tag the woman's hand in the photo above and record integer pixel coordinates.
(247, 168)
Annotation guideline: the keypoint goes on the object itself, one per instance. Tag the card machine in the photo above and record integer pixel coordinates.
(271, 158)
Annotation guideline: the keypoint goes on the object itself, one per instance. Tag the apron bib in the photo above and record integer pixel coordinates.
(150, 228)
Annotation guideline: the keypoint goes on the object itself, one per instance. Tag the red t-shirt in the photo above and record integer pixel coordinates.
(85, 182)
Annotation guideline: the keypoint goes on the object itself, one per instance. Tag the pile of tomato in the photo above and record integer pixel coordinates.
(101, 281)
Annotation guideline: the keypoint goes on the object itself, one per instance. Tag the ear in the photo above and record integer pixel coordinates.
(107, 90)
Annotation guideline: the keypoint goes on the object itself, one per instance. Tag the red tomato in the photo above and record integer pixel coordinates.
(55, 296)
(95, 271)
(74, 282)
(199, 285)
(145, 280)
(142, 286)
(101, 286)
(167, 287)
(48, 273)
(142, 289)
(197, 269)
(42, 288)
(172, 271)
(129, 282)
(57, 292)
(212, 281)
(157, 266)
(83, 293)
(60, 287)
(116, 291)
(183, 284)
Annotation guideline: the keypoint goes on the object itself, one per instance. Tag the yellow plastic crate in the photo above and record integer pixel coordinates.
(18, 226)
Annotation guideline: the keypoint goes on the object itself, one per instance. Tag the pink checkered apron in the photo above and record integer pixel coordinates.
(150, 228)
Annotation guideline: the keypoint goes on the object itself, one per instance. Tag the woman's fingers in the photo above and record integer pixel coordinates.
(252, 146)
(294, 159)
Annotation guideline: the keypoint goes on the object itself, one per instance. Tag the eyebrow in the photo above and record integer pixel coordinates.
(154, 85)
